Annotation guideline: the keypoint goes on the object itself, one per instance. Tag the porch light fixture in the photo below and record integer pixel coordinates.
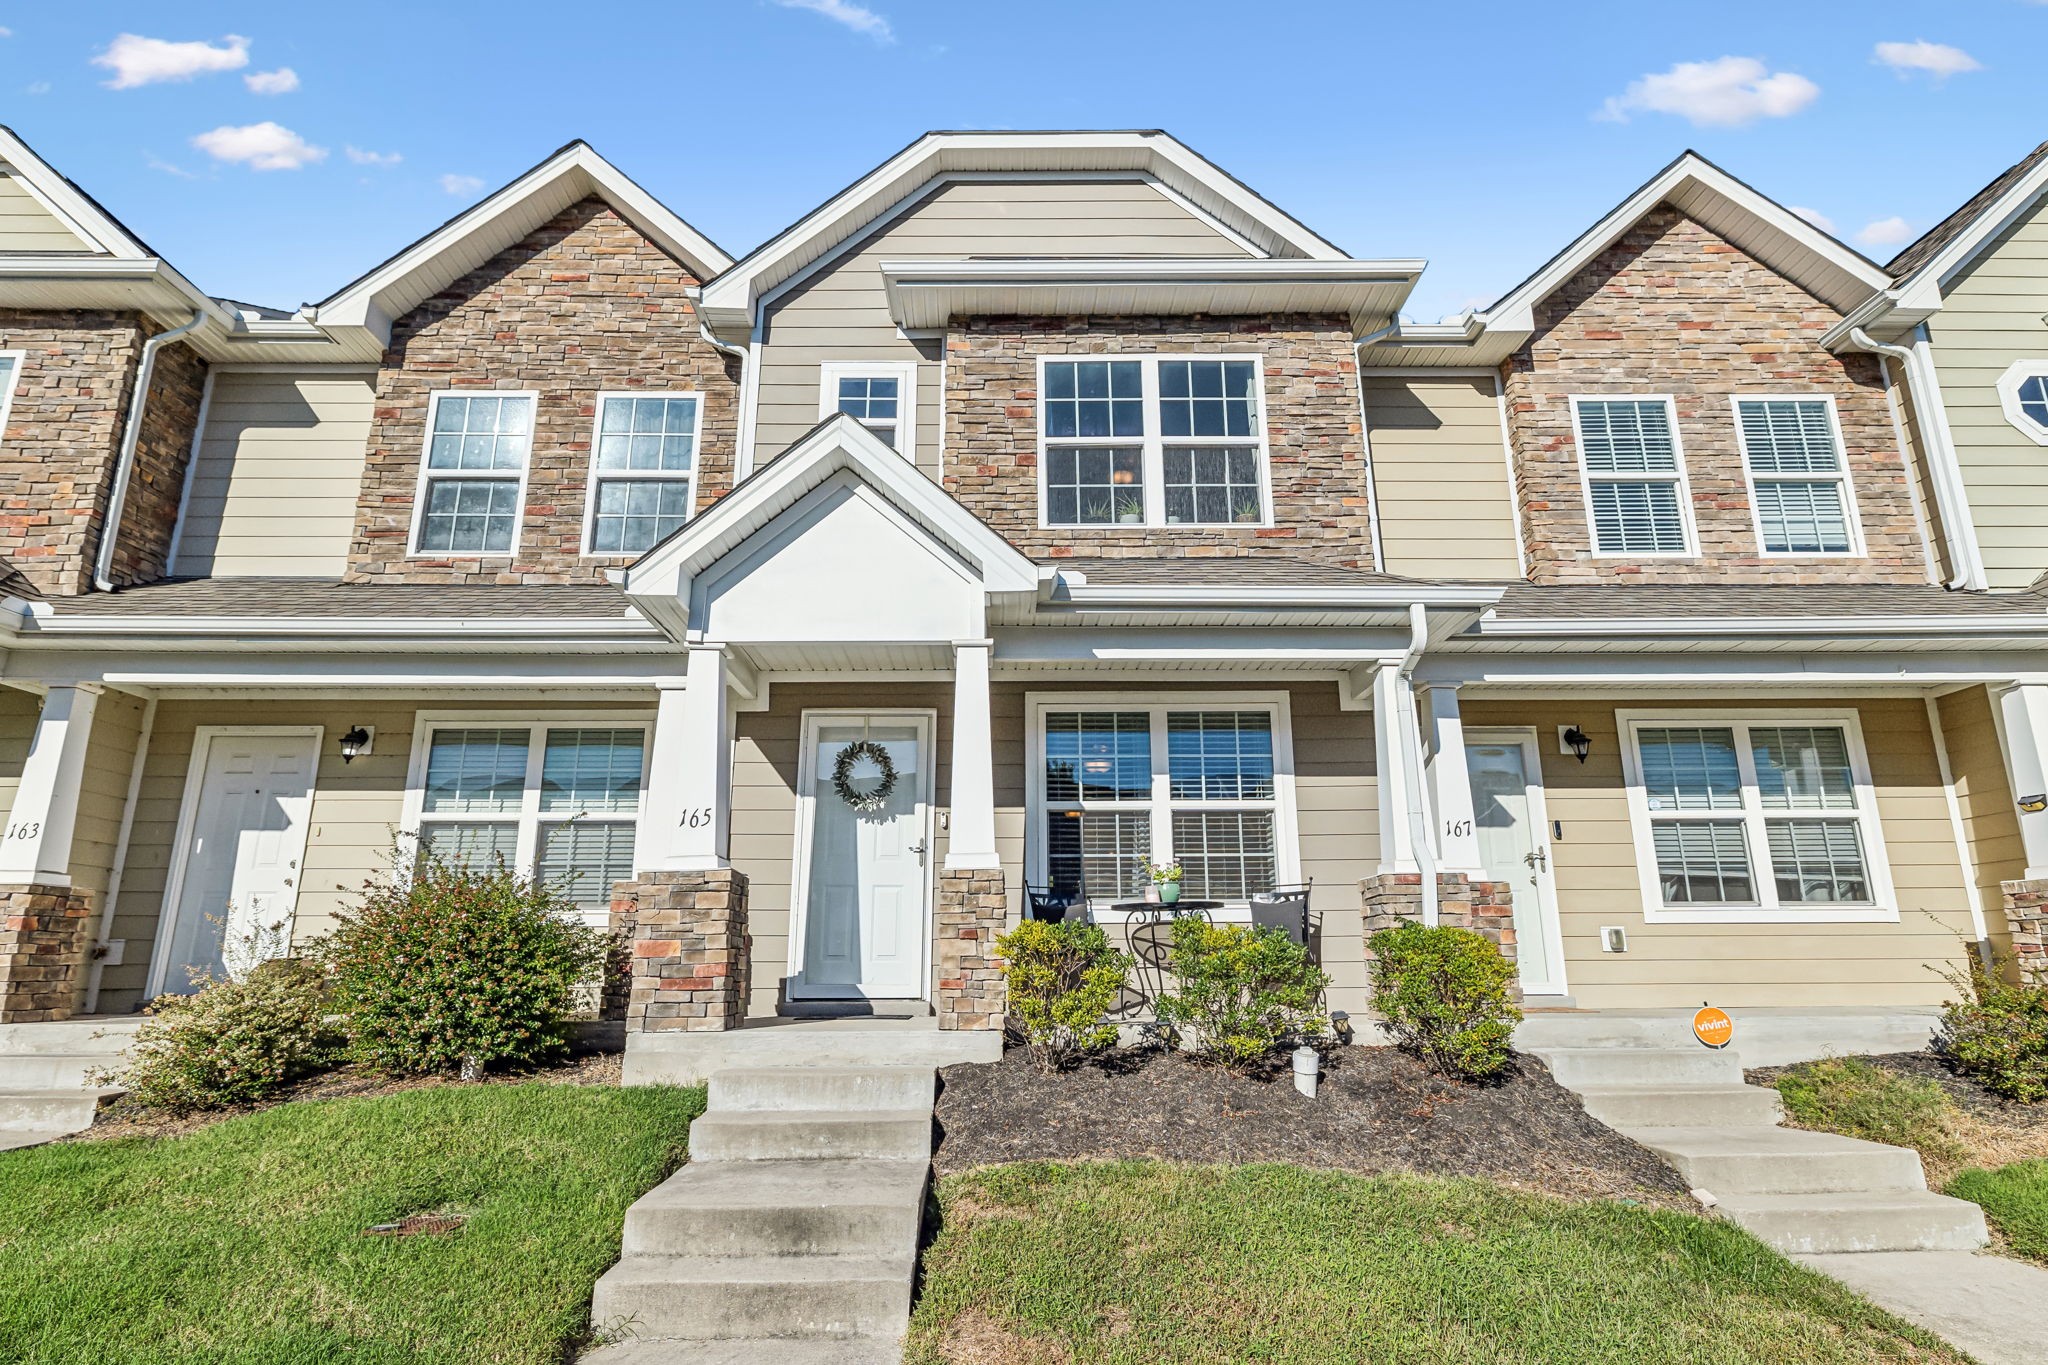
(1578, 741)
(356, 741)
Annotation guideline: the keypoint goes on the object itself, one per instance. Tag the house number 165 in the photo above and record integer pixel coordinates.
(697, 817)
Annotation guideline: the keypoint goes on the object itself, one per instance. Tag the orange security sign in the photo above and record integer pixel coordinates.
(1713, 1027)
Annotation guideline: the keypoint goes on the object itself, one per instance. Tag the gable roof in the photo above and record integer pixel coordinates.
(729, 300)
(575, 172)
(2018, 182)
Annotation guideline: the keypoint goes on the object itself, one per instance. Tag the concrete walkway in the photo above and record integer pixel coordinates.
(44, 1093)
(1994, 1308)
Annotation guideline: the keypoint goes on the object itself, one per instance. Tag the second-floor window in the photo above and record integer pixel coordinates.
(1798, 481)
(643, 471)
(1152, 441)
(1635, 476)
(473, 479)
(880, 395)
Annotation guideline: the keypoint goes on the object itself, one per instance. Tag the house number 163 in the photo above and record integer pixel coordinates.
(27, 829)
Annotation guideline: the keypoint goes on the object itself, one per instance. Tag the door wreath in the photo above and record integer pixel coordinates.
(842, 775)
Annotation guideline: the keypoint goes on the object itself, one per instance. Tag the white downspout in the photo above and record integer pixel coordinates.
(1411, 745)
(1944, 468)
(124, 463)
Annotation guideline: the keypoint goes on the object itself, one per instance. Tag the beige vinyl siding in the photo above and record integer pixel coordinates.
(1746, 965)
(1440, 477)
(1991, 824)
(841, 312)
(280, 466)
(28, 227)
(1991, 317)
(18, 712)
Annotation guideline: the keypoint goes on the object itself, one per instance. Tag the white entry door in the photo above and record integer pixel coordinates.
(1514, 847)
(863, 874)
(235, 884)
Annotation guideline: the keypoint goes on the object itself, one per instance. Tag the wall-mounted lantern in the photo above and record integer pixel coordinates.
(1576, 740)
(356, 741)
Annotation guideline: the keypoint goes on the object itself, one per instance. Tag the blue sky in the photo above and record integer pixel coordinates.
(1480, 136)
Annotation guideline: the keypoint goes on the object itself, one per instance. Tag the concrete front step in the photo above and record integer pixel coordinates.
(99, 1035)
(54, 1070)
(1763, 1037)
(729, 1297)
(692, 1058)
(823, 1087)
(752, 1351)
(1882, 1220)
(1682, 1106)
(812, 1134)
(1575, 1068)
(780, 1208)
(1759, 1160)
(51, 1111)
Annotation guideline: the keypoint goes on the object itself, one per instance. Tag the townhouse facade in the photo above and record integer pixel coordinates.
(1038, 505)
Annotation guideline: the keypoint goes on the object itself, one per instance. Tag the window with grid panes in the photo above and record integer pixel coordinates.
(644, 470)
(874, 401)
(1153, 441)
(1797, 477)
(1635, 488)
(477, 447)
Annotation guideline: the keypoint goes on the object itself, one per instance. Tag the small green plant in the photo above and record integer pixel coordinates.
(233, 1042)
(443, 965)
(1241, 993)
(1063, 980)
(1860, 1099)
(1130, 507)
(1248, 510)
(1162, 873)
(1447, 995)
(1097, 510)
(1996, 1030)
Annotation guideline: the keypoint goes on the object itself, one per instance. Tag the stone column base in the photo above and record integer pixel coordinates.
(45, 932)
(974, 908)
(1486, 908)
(687, 936)
(2026, 914)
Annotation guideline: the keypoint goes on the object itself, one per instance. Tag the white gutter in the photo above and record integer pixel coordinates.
(1410, 731)
(1944, 467)
(349, 627)
(2019, 623)
(1278, 595)
(135, 771)
(124, 464)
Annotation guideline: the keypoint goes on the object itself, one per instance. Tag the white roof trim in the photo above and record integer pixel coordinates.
(730, 300)
(1922, 287)
(403, 282)
(61, 197)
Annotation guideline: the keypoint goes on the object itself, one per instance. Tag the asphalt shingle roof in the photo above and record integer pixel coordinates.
(321, 597)
(1709, 601)
(1948, 229)
(1231, 570)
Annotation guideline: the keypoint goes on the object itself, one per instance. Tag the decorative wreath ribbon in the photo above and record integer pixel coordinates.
(842, 775)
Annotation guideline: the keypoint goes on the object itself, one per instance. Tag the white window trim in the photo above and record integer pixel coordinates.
(1851, 513)
(904, 372)
(1884, 908)
(667, 476)
(528, 817)
(20, 359)
(1153, 444)
(1587, 478)
(419, 492)
(2018, 373)
(1287, 851)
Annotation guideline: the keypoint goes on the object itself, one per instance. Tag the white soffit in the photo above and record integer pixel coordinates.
(729, 300)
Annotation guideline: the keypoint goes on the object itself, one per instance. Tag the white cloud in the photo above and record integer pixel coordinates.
(1727, 92)
(6, 32)
(461, 184)
(136, 60)
(264, 146)
(1815, 217)
(282, 81)
(1938, 60)
(1893, 231)
(363, 158)
(859, 18)
(157, 163)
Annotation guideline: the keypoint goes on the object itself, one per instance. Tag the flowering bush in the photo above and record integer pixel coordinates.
(1996, 1030)
(231, 1043)
(443, 965)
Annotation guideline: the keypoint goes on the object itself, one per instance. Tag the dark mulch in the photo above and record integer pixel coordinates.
(1379, 1109)
(1969, 1096)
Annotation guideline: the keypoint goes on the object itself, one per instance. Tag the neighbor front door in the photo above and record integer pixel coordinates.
(244, 838)
(863, 873)
(1514, 847)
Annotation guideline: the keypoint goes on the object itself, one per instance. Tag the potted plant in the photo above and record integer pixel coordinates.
(1248, 510)
(1165, 880)
(1130, 510)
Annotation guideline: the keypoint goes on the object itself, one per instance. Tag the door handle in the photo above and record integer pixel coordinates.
(918, 848)
(1537, 858)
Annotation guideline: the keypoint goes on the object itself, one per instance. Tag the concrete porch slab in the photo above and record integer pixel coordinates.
(1763, 1036)
(691, 1058)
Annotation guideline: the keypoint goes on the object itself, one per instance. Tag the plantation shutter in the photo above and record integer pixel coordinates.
(1632, 476)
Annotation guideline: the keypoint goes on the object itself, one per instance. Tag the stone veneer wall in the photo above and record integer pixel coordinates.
(582, 304)
(688, 941)
(1671, 308)
(44, 934)
(1486, 908)
(2026, 914)
(170, 419)
(1312, 421)
(973, 911)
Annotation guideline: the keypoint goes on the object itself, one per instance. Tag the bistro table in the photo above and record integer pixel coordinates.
(1151, 936)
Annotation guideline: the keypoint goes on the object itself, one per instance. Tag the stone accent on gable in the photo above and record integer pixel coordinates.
(1316, 446)
(1672, 308)
(583, 304)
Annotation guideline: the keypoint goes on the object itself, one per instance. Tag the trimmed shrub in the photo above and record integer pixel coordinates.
(1063, 980)
(1447, 995)
(1860, 1099)
(234, 1042)
(458, 966)
(1997, 1031)
(1241, 993)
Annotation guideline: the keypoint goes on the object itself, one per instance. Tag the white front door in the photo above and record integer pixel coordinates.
(1514, 847)
(862, 875)
(236, 881)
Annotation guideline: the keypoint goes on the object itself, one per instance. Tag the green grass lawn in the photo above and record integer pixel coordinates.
(241, 1243)
(1149, 1264)
(2015, 1199)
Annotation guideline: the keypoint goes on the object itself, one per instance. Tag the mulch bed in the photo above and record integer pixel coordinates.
(1969, 1096)
(1379, 1110)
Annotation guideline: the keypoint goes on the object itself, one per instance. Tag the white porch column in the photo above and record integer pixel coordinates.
(687, 826)
(2023, 729)
(972, 841)
(37, 846)
(1450, 784)
(1392, 703)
